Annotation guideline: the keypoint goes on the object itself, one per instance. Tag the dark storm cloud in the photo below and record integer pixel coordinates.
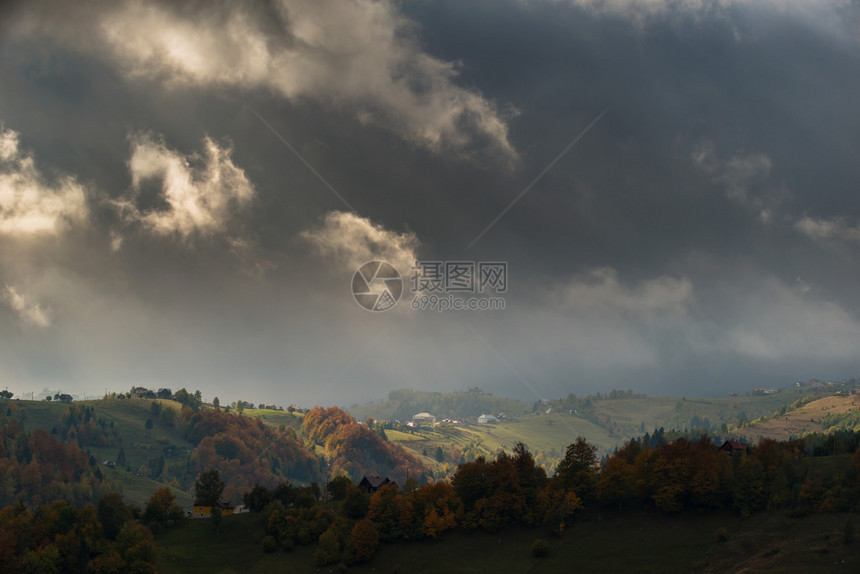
(700, 238)
(747, 83)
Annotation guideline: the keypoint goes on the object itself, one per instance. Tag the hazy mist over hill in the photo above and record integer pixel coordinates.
(186, 194)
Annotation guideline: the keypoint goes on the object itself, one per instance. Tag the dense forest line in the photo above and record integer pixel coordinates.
(347, 524)
(666, 477)
(62, 537)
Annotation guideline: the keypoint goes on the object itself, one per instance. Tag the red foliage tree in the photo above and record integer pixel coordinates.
(247, 452)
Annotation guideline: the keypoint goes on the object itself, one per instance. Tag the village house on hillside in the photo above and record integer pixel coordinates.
(487, 419)
(201, 511)
(424, 419)
(371, 484)
(269, 406)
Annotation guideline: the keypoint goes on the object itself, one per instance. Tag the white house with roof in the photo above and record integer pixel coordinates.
(424, 419)
(487, 419)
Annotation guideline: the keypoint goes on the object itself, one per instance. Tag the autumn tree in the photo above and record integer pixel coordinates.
(137, 548)
(709, 479)
(337, 487)
(672, 468)
(614, 483)
(364, 540)
(356, 502)
(433, 509)
(258, 498)
(387, 510)
(333, 542)
(560, 507)
(319, 424)
(162, 509)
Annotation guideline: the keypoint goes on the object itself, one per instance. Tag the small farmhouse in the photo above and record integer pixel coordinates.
(732, 447)
(371, 484)
(424, 419)
(487, 419)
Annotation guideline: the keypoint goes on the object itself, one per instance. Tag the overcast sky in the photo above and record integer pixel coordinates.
(186, 194)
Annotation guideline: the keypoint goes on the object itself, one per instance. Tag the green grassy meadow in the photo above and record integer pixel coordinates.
(548, 433)
(277, 418)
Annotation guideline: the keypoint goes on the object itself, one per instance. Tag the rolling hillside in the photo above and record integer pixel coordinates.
(153, 446)
(811, 417)
(145, 437)
(144, 448)
(633, 416)
(547, 436)
(607, 421)
(161, 456)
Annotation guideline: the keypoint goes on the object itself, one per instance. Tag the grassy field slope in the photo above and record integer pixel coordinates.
(550, 434)
(628, 542)
(606, 423)
(277, 418)
(802, 420)
(635, 414)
